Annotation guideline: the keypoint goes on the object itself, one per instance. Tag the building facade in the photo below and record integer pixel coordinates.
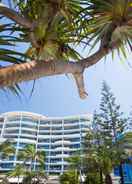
(59, 137)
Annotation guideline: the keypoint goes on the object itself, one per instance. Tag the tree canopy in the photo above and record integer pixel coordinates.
(53, 29)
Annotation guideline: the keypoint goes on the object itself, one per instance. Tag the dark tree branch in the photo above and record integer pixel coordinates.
(94, 58)
(13, 15)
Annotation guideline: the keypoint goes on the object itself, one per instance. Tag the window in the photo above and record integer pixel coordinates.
(75, 146)
(74, 139)
(14, 125)
(55, 168)
(22, 145)
(1, 119)
(56, 122)
(84, 120)
(6, 165)
(12, 131)
(29, 120)
(57, 133)
(71, 121)
(10, 136)
(28, 132)
(44, 123)
(11, 158)
(56, 128)
(71, 127)
(43, 146)
(31, 126)
(43, 140)
(27, 137)
(44, 133)
(15, 118)
(55, 160)
(44, 128)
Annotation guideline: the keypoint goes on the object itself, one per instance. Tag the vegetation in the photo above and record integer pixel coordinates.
(108, 135)
(27, 169)
(29, 154)
(6, 149)
(53, 29)
(105, 145)
(17, 172)
(70, 177)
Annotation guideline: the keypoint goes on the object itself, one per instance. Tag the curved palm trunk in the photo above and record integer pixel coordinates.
(108, 179)
(17, 73)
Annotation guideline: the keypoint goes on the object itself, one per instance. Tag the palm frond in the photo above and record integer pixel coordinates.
(107, 22)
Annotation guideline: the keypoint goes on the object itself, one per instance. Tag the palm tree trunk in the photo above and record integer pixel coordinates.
(31, 165)
(101, 177)
(18, 180)
(108, 179)
(121, 174)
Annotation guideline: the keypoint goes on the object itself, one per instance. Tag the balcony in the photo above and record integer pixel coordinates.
(11, 132)
(30, 123)
(63, 155)
(29, 128)
(62, 142)
(27, 141)
(11, 128)
(62, 148)
(77, 135)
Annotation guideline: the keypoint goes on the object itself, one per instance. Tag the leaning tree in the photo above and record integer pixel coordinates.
(52, 29)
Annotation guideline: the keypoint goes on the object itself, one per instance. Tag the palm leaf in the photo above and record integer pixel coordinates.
(100, 16)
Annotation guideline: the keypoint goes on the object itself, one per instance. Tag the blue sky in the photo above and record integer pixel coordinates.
(57, 95)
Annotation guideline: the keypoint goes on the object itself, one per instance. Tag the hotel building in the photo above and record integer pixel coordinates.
(59, 137)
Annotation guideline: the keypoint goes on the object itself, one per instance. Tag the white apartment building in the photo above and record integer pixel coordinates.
(59, 137)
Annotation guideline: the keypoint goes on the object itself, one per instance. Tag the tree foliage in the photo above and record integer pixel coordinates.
(69, 177)
(54, 28)
(26, 169)
(105, 146)
(6, 149)
(105, 142)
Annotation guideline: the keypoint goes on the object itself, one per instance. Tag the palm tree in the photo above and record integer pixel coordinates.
(69, 177)
(7, 52)
(109, 21)
(6, 149)
(74, 162)
(53, 27)
(30, 154)
(18, 172)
